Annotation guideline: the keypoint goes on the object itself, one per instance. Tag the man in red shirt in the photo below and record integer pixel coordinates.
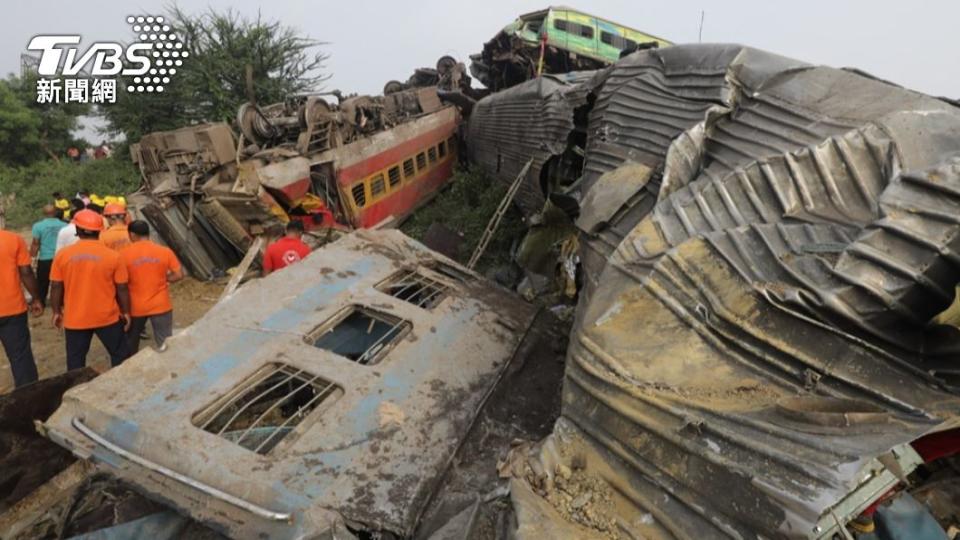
(151, 268)
(15, 273)
(89, 294)
(287, 250)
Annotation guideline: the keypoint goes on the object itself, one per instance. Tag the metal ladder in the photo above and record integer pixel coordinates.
(498, 215)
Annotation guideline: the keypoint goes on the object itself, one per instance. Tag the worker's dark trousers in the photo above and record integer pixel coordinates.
(15, 336)
(113, 338)
(162, 329)
(43, 279)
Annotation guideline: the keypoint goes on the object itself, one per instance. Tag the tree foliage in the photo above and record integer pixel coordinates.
(212, 82)
(30, 131)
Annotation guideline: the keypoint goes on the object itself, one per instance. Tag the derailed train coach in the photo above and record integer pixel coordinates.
(350, 162)
(332, 402)
(765, 246)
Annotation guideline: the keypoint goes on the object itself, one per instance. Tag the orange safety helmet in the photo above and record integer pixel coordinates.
(115, 209)
(88, 220)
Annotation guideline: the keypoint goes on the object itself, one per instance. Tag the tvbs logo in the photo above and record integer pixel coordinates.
(107, 57)
(150, 62)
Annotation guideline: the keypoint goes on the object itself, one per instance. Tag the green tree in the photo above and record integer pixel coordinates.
(212, 83)
(30, 131)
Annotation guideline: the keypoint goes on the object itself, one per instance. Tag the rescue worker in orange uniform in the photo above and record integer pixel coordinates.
(89, 294)
(15, 273)
(116, 236)
(151, 268)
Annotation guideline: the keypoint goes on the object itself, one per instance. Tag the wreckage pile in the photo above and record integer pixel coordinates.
(763, 245)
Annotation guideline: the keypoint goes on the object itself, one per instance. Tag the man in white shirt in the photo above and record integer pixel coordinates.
(68, 235)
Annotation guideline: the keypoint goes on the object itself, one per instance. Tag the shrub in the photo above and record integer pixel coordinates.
(34, 184)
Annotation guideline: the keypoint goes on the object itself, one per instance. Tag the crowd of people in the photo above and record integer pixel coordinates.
(101, 151)
(98, 272)
(101, 275)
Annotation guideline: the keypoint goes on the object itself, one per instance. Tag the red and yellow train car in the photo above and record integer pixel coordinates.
(388, 175)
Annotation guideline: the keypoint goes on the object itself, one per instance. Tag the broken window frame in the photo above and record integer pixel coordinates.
(399, 328)
(417, 288)
(449, 271)
(250, 392)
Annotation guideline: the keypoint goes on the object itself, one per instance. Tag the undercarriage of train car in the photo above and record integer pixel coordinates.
(210, 192)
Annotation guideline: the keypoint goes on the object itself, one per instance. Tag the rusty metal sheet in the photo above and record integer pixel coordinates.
(371, 459)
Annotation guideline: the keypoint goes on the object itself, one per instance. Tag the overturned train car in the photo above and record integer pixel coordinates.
(764, 245)
(334, 398)
(363, 162)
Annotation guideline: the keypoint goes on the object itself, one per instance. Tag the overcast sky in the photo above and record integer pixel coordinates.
(915, 43)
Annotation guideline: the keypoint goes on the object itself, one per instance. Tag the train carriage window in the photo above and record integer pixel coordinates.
(560, 24)
(408, 169)
(421, 161)
(432, 154)
(585, 31)
(268, 406)
(377, 186)
(619, 42)
(360, 334)
(394, 175)
(359, 195)
(442, 149)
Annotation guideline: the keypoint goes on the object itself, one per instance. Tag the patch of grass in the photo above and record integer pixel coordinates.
(34, 184)
(466, 206)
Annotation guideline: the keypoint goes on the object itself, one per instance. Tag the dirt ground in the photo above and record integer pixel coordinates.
(191, 300)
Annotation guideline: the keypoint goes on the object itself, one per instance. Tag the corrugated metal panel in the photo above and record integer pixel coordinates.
(530, 120)
(753, 340)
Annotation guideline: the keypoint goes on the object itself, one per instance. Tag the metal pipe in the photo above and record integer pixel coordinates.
(160, 469)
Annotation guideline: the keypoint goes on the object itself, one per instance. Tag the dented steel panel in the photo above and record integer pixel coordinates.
(751, 356)
(370, 459)
(531, 120)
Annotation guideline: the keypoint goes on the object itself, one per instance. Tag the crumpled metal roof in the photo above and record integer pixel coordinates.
(751, 354)
(530, 120)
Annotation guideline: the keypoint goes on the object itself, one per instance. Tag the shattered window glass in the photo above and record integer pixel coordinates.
(362, 335)
(421, 161)
(377, 186)
(415, 288)
(265, 408)
(359, 195)
(394, 175)
(408, 169)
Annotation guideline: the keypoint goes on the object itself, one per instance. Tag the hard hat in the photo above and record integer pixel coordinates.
(114, 209)
(88, 220)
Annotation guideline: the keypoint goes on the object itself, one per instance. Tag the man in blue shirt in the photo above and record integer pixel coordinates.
(44, 247)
